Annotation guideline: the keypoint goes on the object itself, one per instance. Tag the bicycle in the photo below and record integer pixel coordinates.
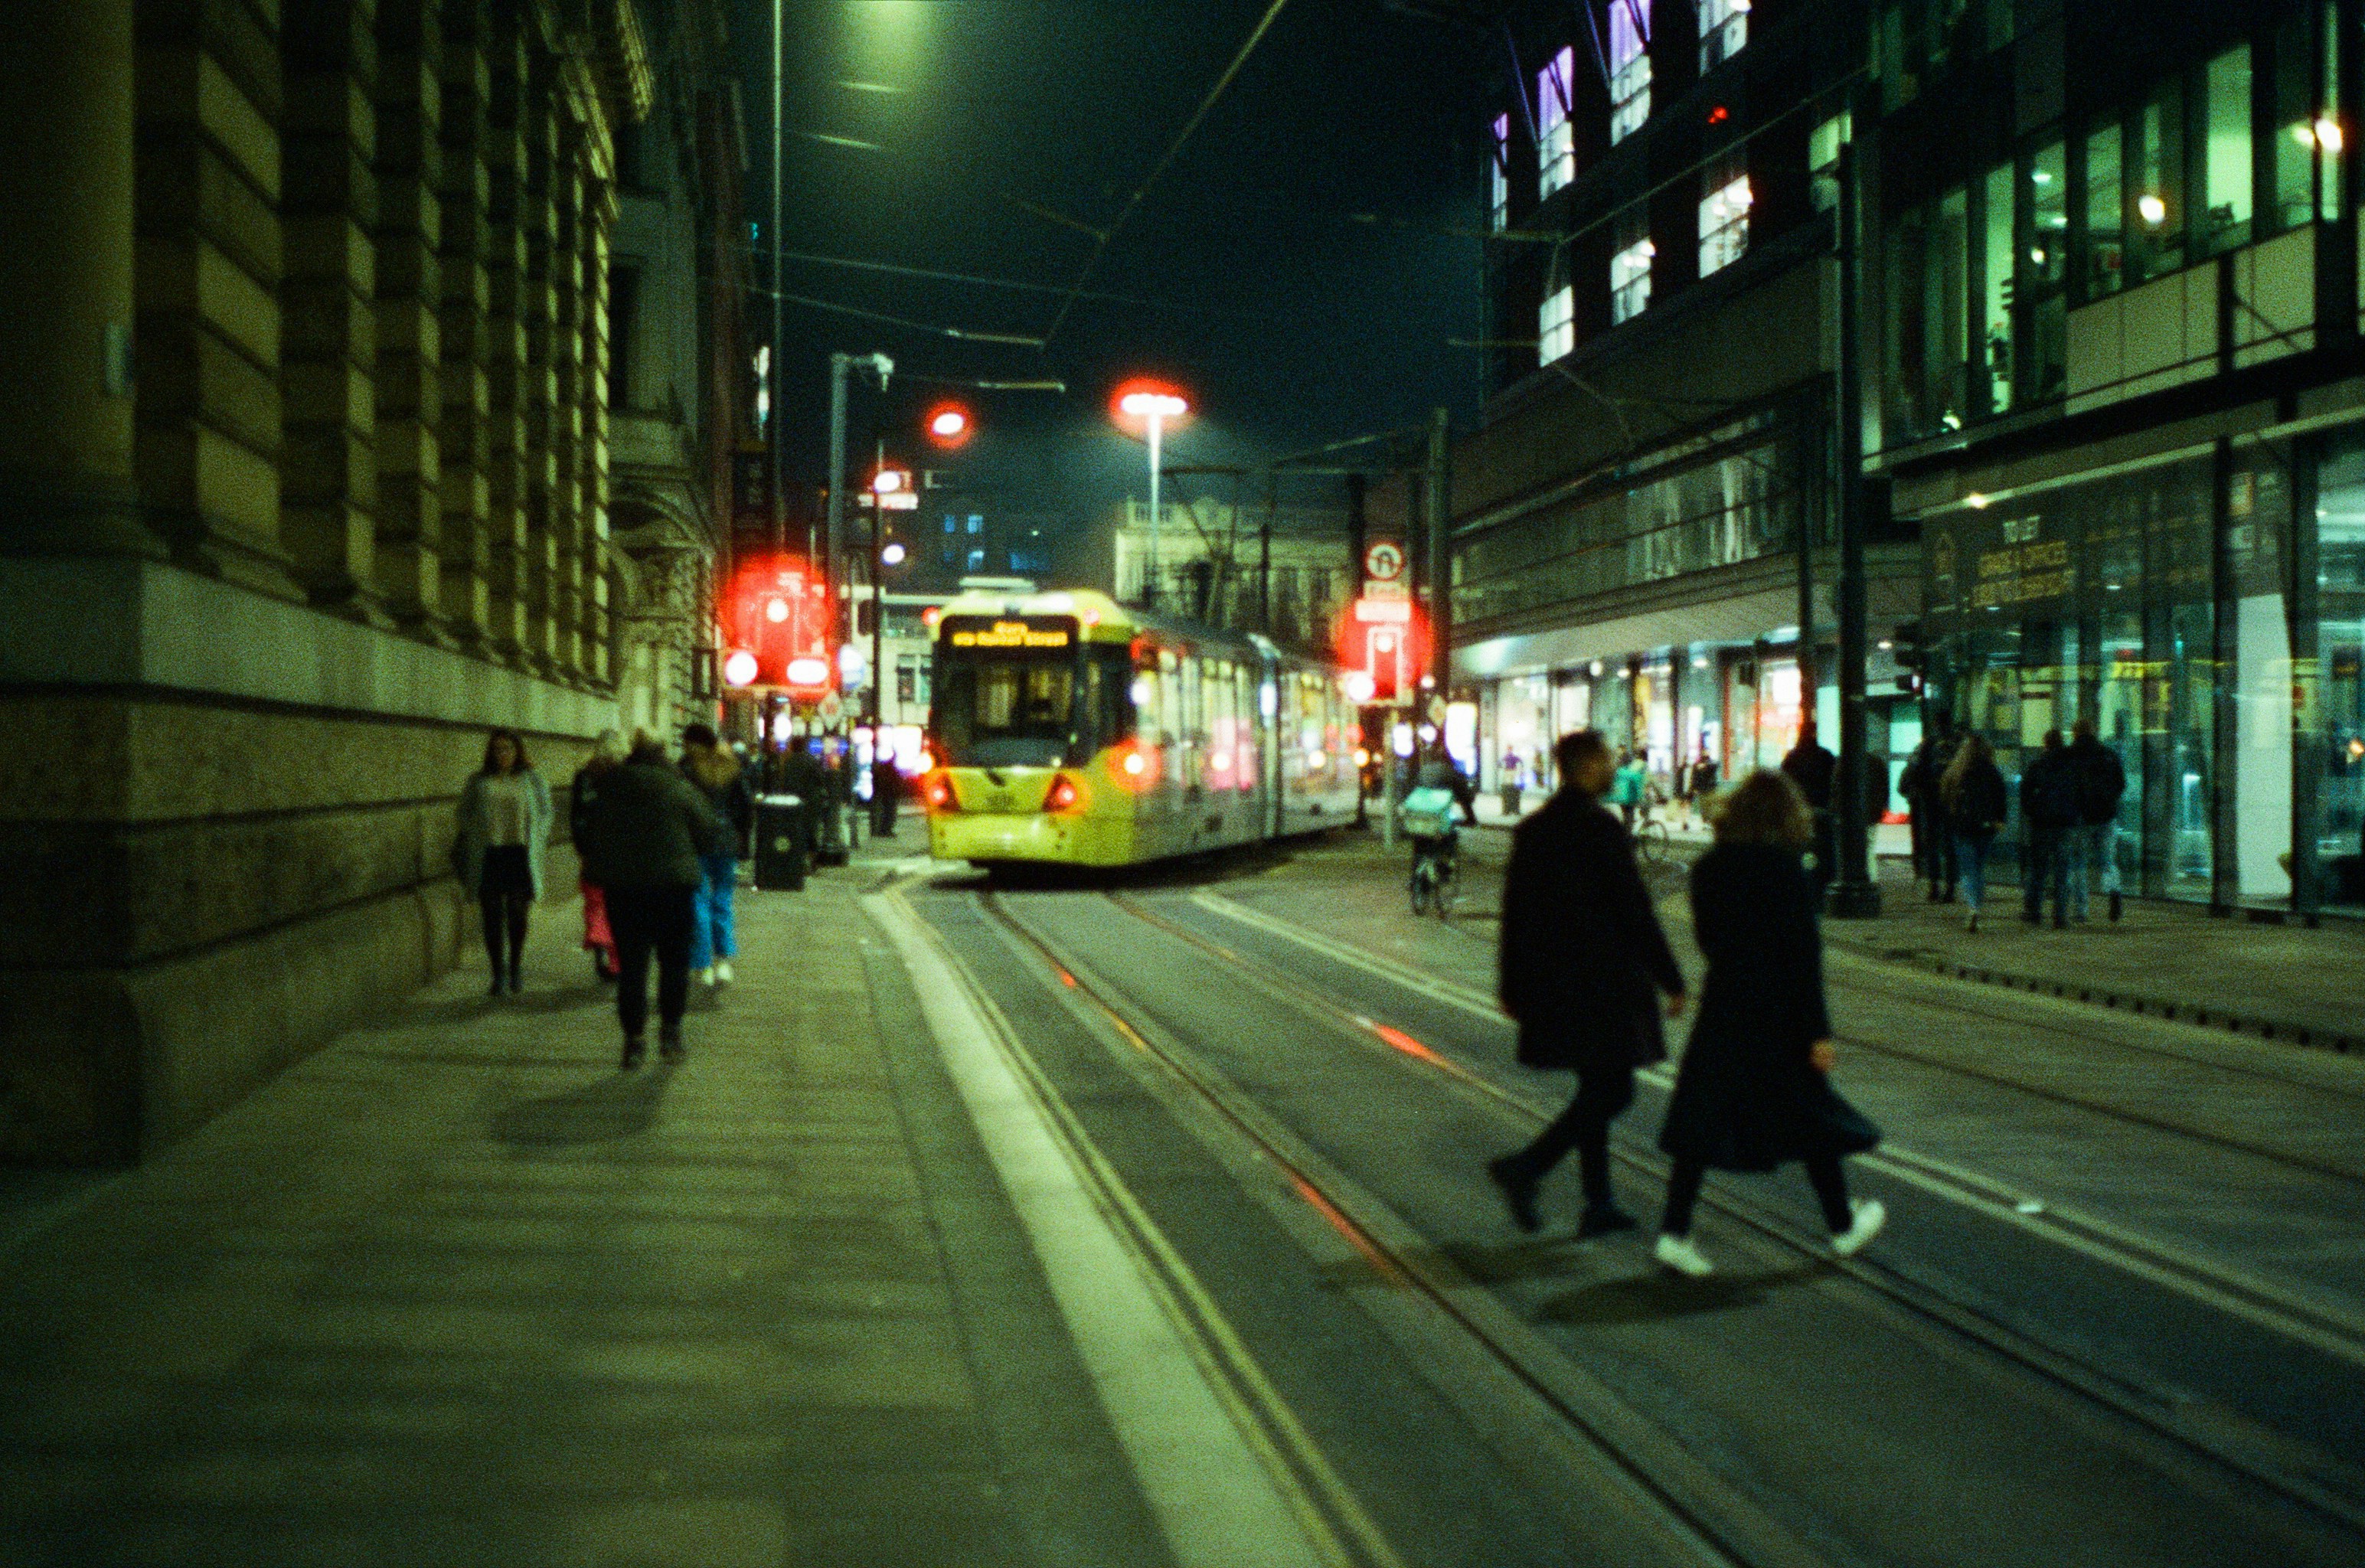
(1432, 880)
(1653, 840)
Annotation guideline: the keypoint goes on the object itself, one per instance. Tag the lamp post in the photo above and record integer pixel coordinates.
(882, 765)
(1153, 406)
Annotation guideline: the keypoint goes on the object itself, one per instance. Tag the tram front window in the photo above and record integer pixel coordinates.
(1012, 710)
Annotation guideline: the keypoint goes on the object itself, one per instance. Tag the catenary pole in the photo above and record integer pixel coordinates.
(776, 458)
(1854, 894)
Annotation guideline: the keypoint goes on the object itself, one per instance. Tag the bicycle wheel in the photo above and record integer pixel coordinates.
(1422, 889)
(1442, 898)
(1658, 844)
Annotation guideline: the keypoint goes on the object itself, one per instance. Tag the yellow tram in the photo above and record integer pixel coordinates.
(1067, 728)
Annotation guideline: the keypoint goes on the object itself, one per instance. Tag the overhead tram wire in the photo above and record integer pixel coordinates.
(1174, 151)
(933, 328)
(1020, 285)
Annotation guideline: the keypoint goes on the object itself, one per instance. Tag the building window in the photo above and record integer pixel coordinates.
(624, 320)
(1823, 146)
(1724, 27)
(977, 560)
(1724, 215)
(1996, 254)
(952, 523)
(1498, 176)
(1928, 324)
(1630, 67)
(2157, 160)
(976, 523)
(1629, 269)
(2106, 202)
(2227, 156)
(1556, 325)
(1555, 131)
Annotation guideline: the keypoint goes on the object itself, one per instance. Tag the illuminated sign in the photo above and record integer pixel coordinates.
(1011, 634)
(1399, 609)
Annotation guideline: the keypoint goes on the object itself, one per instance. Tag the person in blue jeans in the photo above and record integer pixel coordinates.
(722, 778)
(1973, 790)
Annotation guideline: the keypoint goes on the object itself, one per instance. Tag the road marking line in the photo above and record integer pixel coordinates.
(1215, 1497)
(2214, 1284)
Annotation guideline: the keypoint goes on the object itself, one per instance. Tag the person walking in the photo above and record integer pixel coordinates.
(2048, 811)
(1753, 1092)
(723, 779)
(1629, 787)
(1582, 965)
(504, 820)
(1972, 788)
(645, 835)
(1925, 805)
(2101, 784)
(599, 937)
(1811, 767)
(1702, 784)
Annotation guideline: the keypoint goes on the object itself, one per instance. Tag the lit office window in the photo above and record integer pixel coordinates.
(1556, 325)
(1823, 146)
(1498, 176)
(1556, 133)
(1629, 270)
(1724, 27)
(1630, 67)
(1724, 215)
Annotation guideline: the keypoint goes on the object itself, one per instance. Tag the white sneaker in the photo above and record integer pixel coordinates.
(1678, 1253)
(706, 976)
(1869, 1217)
(722, 971)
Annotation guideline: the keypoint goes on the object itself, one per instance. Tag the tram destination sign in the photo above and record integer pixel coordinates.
(964, 633)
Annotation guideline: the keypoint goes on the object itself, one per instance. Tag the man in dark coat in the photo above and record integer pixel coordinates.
(642, 838)
(1811, 767)
(2048, 810)
(1582, 961)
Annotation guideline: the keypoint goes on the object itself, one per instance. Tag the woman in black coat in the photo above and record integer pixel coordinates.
(1753, 1092)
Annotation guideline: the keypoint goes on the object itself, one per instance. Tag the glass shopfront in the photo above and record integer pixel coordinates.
(2206, 615)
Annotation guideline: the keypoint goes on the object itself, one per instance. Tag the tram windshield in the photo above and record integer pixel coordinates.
(1005, 709)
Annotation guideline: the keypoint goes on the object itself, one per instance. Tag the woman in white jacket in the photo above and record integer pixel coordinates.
(504, 820)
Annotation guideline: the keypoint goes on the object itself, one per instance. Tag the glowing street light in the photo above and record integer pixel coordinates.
(892, 553)
(1153, 403)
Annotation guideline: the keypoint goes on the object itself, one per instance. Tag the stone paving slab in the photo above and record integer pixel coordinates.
(455, 1290)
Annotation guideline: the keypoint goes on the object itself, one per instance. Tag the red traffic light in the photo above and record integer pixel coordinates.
(775, 618)
(948, 425)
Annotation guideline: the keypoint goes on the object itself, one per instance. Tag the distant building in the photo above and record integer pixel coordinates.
(953, 534)
(680, 375)
(1213, 563)
(1661, 301)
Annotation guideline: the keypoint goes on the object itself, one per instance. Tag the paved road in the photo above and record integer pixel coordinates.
(2119, 1318)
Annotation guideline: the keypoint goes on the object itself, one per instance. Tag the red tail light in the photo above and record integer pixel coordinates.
(1062, 794)
(940, 794)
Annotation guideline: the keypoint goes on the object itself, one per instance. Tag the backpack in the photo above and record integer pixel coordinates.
(2050, 785)
(2101, 782)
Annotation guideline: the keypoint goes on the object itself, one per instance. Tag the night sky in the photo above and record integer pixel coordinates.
(1290, 323)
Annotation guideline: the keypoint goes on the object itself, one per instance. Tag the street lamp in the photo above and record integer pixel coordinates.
(1153, 404)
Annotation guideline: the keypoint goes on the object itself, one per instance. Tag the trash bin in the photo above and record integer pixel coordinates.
(782, 835)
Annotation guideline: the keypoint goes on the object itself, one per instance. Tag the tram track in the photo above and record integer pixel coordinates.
(2326, 1488)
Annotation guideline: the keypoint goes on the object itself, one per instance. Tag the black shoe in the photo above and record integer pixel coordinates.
(670, 1047)
(1604, 1219)
(1935, 896)
(1518, 1186)
(517, 979)
(2029, 917)
(633, 1052)
(2059, 923)
(2114, 906)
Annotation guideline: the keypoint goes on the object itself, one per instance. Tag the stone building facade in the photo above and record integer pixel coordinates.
(303, 484)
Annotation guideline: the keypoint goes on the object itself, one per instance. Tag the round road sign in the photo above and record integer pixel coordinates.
(1383, 562)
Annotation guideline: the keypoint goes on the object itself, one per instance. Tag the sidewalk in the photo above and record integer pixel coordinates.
(454, 1291)
(2167, 959)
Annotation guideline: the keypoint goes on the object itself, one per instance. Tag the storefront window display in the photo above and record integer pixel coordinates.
(2332, 726)
(2112, 602)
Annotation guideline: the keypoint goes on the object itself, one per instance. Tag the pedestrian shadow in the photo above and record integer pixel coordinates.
(1545, 1257)
(1659, 1296)
(620, 1106)
(478, 1008)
